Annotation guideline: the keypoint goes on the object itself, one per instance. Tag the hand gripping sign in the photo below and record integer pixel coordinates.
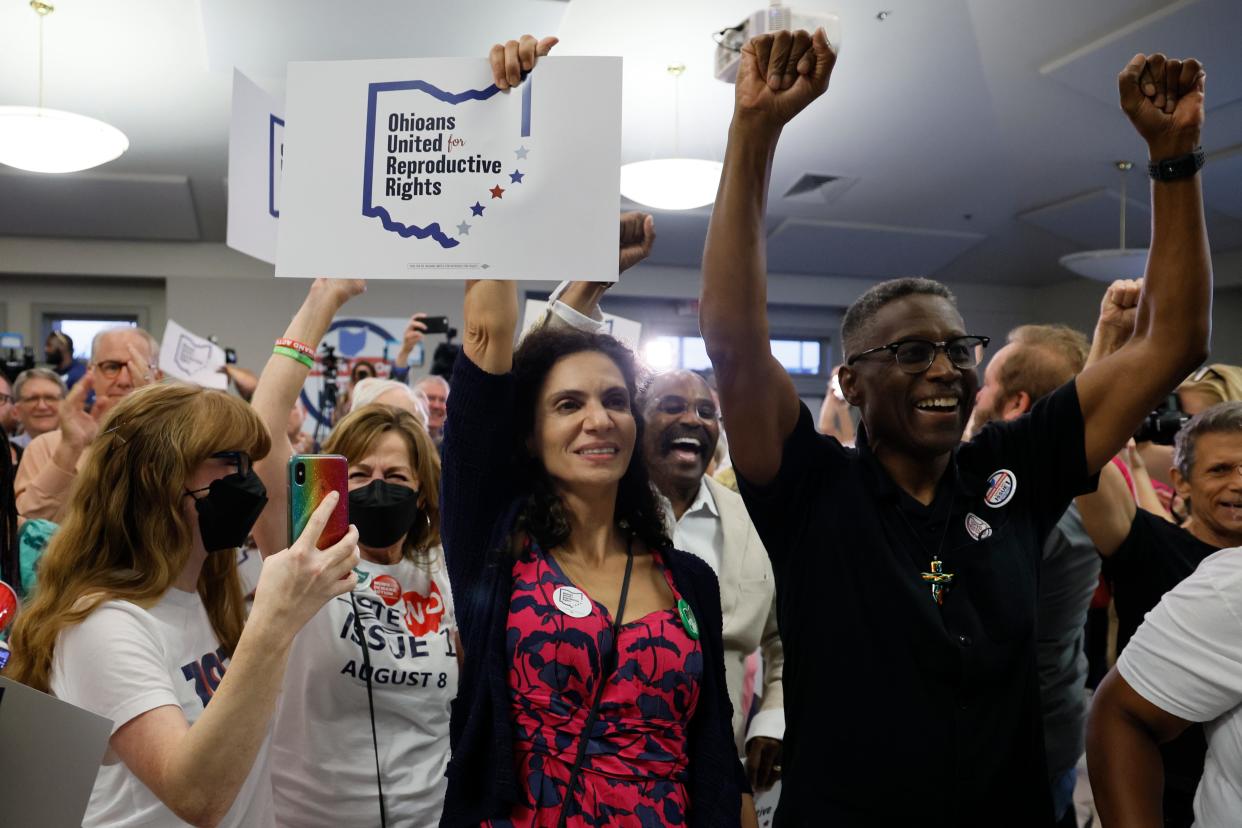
(425, 169)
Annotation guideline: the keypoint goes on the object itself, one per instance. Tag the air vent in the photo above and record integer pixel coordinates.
(820, 188)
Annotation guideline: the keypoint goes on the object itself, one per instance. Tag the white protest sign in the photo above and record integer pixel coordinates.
(626, 330)
(191, 358)
(256, 149)
(423, 169)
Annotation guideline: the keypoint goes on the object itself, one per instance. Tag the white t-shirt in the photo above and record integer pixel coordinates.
(323, 761)
(122, 661)
(1186, 659)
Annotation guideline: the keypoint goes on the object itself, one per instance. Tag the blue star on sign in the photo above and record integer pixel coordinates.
(515, 177)
(477, 209)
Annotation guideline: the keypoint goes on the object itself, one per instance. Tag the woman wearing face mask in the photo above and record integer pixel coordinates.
(139, 615)
(361, 734)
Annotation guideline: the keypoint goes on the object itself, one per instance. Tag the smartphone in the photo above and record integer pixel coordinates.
(311, 478)
(436, 324)
(230, 356)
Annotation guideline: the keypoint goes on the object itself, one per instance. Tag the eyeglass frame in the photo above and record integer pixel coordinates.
(937, 347)
(690, 405)
(110, 372)
(53, 402)
(239, 458)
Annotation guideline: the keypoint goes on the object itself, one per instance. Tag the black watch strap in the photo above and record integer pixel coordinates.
(1181, 166)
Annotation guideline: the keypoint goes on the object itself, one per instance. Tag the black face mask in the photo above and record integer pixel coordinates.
(53, 357)
(383, 512)
(228, 511)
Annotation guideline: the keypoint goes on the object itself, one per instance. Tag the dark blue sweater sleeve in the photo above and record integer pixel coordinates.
(475, 483)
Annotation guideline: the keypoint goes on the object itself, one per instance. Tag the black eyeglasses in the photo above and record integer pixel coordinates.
(675, 406)
(234, 458)
(110, 368)
(914, 356)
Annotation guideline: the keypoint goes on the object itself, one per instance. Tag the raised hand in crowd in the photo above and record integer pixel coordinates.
(834, 413)
(1118, 312)
(637, 236)
(780, 75)
(413, 334)
(277, 392)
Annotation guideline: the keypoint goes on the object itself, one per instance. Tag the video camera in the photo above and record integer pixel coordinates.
(15, 361)
(1161, 426)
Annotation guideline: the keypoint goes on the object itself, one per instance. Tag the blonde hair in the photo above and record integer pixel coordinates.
(356, 436)
(126, 536)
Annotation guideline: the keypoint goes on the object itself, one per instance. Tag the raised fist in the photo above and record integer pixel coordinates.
(781, 73)
(1163, 98)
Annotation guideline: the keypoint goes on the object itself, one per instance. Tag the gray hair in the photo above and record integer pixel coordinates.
(38, 373)
(371, 389)
(152, 342)
(433, 378)
(858, 316)
(1221, 418)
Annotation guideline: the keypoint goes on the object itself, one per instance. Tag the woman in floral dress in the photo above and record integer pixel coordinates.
(592, 690)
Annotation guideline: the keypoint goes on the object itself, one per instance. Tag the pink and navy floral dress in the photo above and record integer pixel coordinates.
(634, 773)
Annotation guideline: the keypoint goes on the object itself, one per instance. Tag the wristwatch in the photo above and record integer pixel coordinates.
(1180, 166)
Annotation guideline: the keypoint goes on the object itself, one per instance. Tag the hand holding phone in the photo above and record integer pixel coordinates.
(435, 324)
(311, 478)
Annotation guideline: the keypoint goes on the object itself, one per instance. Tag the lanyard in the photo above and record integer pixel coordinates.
(605, 675)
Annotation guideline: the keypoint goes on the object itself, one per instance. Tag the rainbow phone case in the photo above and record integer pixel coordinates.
(318, 475)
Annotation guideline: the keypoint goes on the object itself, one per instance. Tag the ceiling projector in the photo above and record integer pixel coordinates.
(774, 18)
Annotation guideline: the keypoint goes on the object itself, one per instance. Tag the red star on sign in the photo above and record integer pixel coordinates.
(496, 191)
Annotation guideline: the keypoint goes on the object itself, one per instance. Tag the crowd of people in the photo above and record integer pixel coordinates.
(563, 599)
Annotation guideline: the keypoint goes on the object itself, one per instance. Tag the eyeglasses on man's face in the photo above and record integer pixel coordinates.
(109, 368)
(914, 356)
(51, 400)
(675, 406)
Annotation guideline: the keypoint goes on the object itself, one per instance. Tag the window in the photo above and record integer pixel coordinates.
(82, 329)
(662, 353)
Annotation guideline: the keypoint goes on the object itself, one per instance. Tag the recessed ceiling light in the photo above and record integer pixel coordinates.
(883, 15)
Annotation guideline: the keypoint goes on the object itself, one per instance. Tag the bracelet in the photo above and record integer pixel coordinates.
(300, 347)
(295, 355)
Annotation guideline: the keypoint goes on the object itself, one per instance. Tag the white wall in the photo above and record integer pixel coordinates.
(213, 290)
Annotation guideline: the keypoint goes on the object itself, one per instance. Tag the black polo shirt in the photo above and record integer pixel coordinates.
(899, 711)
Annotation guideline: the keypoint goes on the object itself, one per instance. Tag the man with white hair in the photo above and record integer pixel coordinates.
(37, 394)
(122, 359)
(435, 389)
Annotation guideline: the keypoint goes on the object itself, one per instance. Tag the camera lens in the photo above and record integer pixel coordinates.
(299, 474)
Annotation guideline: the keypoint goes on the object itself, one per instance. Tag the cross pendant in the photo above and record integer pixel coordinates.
(938, 579)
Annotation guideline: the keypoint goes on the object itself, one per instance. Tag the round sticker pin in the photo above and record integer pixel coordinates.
(572, 601)
(1001, 488)
(687, 619)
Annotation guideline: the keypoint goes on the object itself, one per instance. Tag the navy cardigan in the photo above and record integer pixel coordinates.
(479, 502)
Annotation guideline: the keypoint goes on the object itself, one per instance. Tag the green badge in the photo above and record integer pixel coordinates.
(360, 576)
(687, 619)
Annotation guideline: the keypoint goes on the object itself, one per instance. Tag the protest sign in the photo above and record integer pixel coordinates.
(423, 169)
(191, 358)
(256, 150)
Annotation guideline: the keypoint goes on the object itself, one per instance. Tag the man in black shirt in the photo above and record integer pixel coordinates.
(1146, 555)
(907, 569)
(1037, 360)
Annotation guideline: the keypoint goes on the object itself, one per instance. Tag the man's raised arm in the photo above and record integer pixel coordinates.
(779, 76)
(1164, 101)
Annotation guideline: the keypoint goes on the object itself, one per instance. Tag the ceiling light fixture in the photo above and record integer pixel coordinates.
(43, 140)
(1118, 263)
(675, 183)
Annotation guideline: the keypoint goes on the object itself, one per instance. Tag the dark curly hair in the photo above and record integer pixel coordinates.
(543, 515)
